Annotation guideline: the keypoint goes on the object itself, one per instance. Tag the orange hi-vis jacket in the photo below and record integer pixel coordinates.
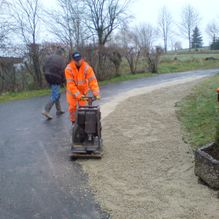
(80, 80)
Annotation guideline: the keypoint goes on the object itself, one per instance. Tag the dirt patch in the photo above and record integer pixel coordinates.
(147, 170)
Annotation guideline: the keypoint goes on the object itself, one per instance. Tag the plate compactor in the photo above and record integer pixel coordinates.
(86, 132)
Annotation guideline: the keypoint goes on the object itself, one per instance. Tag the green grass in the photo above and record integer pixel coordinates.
(22, 95)
(198, 113)
(180, 66)
(185, 55)
(9, 96)
(184, 62)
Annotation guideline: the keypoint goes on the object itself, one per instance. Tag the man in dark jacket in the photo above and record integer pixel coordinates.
(54, 73)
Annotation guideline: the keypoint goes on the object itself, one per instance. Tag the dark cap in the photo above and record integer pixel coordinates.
(76, 56)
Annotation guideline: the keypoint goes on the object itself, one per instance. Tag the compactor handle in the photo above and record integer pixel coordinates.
(90, 100)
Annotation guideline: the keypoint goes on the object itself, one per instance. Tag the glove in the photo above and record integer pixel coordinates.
(83, 97)
(98, 97)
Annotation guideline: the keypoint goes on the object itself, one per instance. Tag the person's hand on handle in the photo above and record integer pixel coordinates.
(98, 97)
(83, 97)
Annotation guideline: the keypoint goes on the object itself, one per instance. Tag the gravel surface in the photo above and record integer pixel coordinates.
(147, 170)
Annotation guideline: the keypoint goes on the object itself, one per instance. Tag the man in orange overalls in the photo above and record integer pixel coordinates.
(80, 78)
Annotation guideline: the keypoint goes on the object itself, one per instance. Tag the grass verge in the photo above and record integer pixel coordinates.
(34, 93)
(198, 113)
(170, 66)
(22, 95)
(181, 66)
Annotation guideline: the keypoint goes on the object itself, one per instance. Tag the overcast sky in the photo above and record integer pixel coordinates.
(148, 11)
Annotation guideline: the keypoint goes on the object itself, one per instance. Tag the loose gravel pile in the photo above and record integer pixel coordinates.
(147, 170)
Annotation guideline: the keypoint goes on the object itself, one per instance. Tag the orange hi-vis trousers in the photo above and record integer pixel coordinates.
(72, 108)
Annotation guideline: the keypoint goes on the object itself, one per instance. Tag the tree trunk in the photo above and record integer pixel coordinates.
(100, 67)
(36, 65)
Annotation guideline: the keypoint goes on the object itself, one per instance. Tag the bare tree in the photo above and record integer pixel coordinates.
(8, 79)
(212, 30)
(114, 54)
(5, 26)
(26, 16)
(137, 43)
(128, 41)
(102, 18)
(146, 35)
(190, 19)
(154, 59)
(165, 23)
(67, 23)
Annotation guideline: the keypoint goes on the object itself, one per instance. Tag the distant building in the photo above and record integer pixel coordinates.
(9, 62)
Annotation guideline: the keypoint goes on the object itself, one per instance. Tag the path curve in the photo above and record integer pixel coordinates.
(147, 170)
(37, 179)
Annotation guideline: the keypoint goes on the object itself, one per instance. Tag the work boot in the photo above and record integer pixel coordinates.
(59, 110)
(47, 109)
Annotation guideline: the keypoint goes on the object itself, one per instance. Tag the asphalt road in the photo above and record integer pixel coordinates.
(37, 178)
